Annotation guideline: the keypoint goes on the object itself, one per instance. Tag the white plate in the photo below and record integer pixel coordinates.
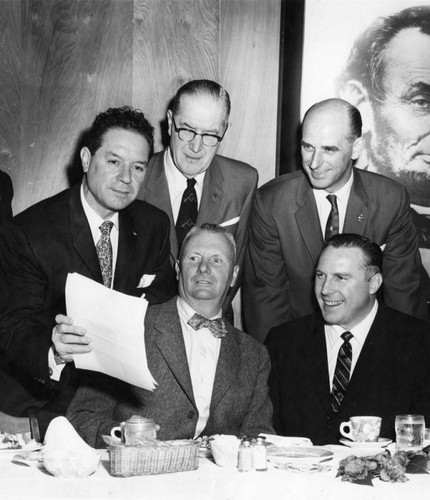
(381, 443)
(312, 454)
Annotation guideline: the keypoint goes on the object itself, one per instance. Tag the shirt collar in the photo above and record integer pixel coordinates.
(94, 219)
(359, 331)
(176, 176)
(342, 194)
(186, 311)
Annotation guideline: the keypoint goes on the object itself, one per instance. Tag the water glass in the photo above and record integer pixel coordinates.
(410, 432)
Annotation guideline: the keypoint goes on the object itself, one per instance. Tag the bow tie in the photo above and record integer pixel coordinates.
(216, 326)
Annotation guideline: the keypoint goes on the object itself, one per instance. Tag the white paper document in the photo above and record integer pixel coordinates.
(115, 323)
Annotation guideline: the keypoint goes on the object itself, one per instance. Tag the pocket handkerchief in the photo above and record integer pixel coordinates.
(146, 280)
(230, 222)
(382, 247)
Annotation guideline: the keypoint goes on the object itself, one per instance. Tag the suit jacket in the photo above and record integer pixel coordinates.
(285, 242)
(391, 377)
(228, 191)
(240, 403)
(37, 251)
(6, 195)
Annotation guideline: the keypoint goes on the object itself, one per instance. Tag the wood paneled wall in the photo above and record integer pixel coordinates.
(63, 61)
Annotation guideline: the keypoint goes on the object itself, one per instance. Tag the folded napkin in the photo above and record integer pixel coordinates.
(287, 441)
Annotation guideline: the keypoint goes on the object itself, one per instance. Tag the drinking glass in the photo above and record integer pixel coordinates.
(410, 432)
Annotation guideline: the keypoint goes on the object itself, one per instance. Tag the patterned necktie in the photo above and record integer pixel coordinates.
(104, 252)
(216, 326)
(332, 226)
(342, 372)
(187, 216)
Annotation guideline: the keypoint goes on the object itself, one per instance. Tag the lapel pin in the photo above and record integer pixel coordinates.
(360, 218)
(134, 233)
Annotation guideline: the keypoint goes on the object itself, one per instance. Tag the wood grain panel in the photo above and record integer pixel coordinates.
(77, 61)
(249, 62)
(10, 87)
(174, 42)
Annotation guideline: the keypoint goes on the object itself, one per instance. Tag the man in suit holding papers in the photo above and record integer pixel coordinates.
(212, 378)
(97, 229)
(193, 184)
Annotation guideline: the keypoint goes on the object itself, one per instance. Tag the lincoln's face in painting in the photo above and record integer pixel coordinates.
(388, 78)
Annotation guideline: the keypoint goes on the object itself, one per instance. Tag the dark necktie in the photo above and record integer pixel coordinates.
(342, 372)
(216, 326)
(187, 216)
(104, 252)
(332, 226)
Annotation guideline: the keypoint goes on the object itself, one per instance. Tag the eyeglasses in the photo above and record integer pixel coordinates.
(187, 135)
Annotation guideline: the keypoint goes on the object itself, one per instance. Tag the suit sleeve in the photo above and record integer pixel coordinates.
(91, 411)
(26, 320)
(259, 417)
(266, 285)
(402, 268)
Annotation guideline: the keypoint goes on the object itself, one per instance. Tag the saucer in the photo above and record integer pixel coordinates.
(381, 443)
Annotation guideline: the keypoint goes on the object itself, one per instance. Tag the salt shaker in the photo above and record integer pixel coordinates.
(244, 461)
(259, 454)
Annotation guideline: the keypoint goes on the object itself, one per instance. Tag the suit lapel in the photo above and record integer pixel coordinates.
(126, 250)
(81, 234)
(170, 342)
(319, 365)
(212, 194)
(357, 211)
(227, 367)
(370, 356)
(307, 220)
(156, 191)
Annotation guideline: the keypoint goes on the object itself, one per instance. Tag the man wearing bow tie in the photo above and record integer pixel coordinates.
(295, 213)
(212, 378)
(96, 228)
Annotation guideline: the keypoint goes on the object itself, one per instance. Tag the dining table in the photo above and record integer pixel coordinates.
(208, 482)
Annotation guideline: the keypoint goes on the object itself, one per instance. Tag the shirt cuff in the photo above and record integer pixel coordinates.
(54, 369)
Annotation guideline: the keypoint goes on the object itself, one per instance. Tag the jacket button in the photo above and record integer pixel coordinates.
(190, 415)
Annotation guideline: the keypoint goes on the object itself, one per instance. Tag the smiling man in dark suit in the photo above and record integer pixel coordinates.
(66, 234)
(354, 357)
(295, 213)
(222, 189)
(212, 378)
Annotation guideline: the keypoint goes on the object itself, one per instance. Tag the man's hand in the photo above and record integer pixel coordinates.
(69, 339)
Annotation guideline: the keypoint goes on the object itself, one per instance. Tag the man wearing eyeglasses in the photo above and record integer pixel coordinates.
(193, 184)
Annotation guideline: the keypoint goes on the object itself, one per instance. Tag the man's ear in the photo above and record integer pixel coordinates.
(85, 158)
(170, 122)
(375, 283)
(357, 148)
(177, 269)
(354, 92)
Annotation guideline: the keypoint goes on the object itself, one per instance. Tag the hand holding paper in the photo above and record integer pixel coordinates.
(115, 323)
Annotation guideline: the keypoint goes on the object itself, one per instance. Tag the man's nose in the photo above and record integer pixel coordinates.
(124, 174)
(204, 266)
(315, 161)
(327, 287)
(196, 144)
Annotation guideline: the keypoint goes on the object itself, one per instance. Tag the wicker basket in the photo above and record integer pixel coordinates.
(174, 456)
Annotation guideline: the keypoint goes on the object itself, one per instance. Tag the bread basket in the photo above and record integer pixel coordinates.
(165, 456)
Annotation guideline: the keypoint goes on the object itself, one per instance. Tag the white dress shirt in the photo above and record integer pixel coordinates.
(324, 206)
(334, 341)
(202, 350)
(177, 183)
(95, 221)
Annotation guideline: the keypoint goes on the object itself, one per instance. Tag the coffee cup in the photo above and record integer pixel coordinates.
(135, 430)
(362, 429)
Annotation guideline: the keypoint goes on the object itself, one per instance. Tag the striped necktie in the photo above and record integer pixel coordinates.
(342, 372)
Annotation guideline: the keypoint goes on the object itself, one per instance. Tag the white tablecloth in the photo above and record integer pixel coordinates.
(208, 482)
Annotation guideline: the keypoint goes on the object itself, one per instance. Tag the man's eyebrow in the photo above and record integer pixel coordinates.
(209, 131)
